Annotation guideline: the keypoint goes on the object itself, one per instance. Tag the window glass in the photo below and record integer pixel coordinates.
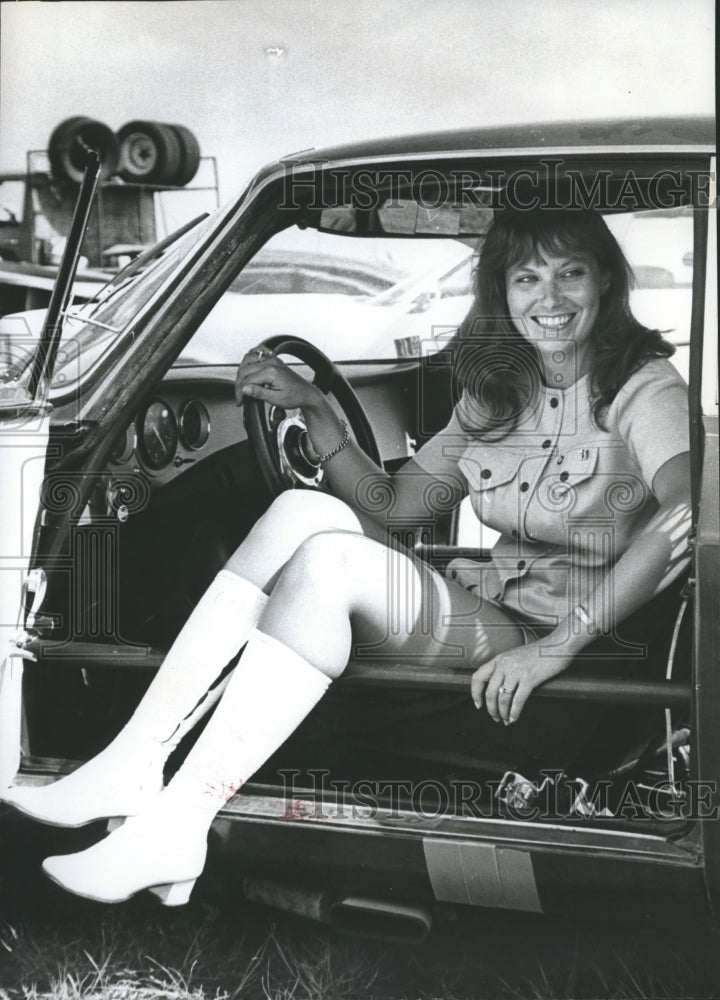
(380, 299)
(659, 245)
(354, 298)
(93, 329)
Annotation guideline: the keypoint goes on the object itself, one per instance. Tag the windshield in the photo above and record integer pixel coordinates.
(93, 329)
(355, 298)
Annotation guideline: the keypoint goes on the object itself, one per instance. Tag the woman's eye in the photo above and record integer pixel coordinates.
(573, 273)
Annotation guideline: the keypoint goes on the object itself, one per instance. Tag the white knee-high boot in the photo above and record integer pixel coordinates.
(120, 779)
(163, 848)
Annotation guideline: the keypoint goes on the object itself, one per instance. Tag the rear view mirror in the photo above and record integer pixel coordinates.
(406, 217)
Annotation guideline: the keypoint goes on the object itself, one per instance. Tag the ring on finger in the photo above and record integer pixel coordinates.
(504, 690)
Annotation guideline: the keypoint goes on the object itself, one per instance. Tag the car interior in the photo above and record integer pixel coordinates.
(191, 473)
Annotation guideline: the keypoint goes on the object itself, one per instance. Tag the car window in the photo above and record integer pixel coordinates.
(369, 299)
(12, 203)
(93, 329)
(658, 245)
(326, 288)
(354, 298)
(277, 272)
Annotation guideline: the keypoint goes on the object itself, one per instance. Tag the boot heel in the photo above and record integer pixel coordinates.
(174, 893)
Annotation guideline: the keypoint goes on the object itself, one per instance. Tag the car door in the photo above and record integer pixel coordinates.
(24, 429)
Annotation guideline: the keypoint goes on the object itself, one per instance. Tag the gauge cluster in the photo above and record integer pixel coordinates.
(167, 433)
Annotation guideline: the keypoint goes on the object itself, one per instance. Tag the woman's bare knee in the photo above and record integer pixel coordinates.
(311, 602)
(293, 517)
(324, 559)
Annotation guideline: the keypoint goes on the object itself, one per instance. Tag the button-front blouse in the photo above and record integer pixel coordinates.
(566, 496)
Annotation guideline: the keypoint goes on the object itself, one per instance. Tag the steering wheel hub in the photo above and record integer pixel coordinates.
(295, 452)
(280, 439)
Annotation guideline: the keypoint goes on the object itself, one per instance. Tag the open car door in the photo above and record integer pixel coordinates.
(26, 368)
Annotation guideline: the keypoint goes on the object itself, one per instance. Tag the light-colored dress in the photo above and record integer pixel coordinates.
(566, 496)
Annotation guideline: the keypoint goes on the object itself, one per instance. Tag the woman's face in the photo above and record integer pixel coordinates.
(553, 299)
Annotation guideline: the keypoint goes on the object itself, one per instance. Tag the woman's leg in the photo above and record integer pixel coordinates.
(344, 595)
(292, 518)
(193, 674)
(338, 590)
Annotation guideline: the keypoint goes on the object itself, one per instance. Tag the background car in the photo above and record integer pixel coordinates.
(430, 297)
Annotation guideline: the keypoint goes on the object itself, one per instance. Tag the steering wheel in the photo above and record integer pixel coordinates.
(279, 437)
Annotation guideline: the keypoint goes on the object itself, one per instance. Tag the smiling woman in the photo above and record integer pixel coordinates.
(528, 444)
(555, 287)
(339, 627)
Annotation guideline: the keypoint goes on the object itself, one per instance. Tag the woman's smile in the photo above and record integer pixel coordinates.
(554, 322)
(554, 298)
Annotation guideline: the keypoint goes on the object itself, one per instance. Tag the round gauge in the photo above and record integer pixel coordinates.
(123, 447)
(158, 435)
(194, 424)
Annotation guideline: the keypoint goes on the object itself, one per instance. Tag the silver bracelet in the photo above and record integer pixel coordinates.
(338, 447)
(580, 612)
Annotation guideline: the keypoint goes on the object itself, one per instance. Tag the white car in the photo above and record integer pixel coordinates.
(407, 319)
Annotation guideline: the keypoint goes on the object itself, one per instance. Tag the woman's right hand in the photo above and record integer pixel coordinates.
(263, 376)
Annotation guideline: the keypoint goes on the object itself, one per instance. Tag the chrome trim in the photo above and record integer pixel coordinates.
(253, 806)
(635, 151)
(548, 838)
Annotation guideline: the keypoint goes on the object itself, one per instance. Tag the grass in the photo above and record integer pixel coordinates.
(197, 955)
(56, 947)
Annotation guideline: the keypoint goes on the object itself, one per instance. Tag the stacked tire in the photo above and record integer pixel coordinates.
(69, 143)
(142, 152)
(156, 153)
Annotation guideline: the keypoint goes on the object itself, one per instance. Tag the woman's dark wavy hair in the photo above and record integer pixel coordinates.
(498, 368)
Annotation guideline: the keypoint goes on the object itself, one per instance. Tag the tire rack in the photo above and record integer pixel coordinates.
(140, 199)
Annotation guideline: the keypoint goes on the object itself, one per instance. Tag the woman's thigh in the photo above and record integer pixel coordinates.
(403, 608)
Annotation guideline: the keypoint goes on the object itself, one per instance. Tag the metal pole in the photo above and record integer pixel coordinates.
(44, 360)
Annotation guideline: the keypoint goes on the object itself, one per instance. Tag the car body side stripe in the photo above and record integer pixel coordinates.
(481, 875)
(517, 877)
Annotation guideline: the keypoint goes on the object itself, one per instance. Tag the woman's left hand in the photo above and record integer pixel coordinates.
(504, 683)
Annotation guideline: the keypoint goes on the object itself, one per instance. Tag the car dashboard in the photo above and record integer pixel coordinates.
(192, 415)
